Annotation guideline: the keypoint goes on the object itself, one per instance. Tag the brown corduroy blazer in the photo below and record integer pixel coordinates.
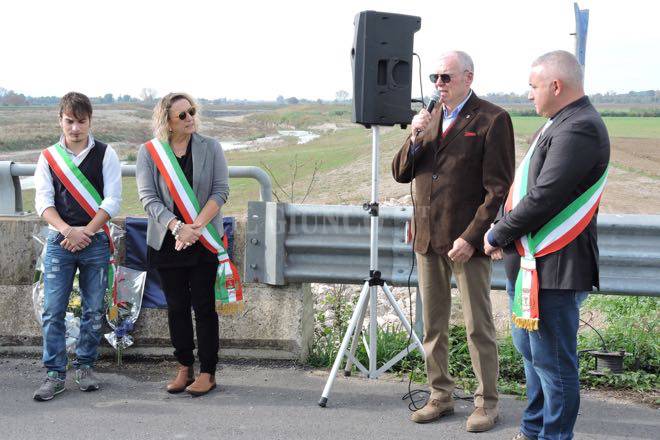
(461, 178)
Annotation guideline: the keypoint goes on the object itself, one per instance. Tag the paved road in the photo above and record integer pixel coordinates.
(259, 401)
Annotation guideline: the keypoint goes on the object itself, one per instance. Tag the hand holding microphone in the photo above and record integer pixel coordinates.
(422, 119)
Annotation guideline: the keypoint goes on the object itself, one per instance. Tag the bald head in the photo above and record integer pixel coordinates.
(563, 66)
(555, 81)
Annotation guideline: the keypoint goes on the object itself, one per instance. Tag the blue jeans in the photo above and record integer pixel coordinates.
(551, 365)
(59, 270)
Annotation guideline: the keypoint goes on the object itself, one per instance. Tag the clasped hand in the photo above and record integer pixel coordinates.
(461, 252)
(493, 252)
(188, 235)
(77, 239)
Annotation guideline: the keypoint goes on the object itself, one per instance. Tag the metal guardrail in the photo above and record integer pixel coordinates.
(330, 244)
(11, 201)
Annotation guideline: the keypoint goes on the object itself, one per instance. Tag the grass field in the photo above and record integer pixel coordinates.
(626, 127)
(340, 158)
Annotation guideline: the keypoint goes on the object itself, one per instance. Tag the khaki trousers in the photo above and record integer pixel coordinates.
(473, 280)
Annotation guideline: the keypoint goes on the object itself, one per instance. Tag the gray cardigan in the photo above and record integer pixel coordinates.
(210, 181)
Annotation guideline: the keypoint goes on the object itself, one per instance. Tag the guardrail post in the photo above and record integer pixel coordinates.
(11, 200)
(264, 254)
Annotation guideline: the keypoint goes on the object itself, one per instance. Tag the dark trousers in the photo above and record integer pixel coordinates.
(185, 287)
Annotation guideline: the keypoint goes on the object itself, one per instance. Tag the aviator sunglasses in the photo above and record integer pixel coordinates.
(444, 77)
(191, 111)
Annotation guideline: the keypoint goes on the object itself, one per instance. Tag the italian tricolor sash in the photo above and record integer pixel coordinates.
(228, 287)
(85, 194)
(553, 236)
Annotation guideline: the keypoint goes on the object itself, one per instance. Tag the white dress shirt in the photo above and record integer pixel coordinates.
(43, 179)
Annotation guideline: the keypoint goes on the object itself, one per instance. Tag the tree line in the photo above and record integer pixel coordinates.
(149, 96)
(642, 97)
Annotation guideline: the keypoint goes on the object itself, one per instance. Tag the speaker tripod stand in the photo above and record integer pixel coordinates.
(369, 295)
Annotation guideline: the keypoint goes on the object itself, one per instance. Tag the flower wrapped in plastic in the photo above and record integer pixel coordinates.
(124, 308)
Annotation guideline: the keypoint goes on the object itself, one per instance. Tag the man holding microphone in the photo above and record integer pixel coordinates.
(461, 158)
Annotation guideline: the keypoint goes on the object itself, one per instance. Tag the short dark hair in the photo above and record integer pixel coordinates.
(76, 104)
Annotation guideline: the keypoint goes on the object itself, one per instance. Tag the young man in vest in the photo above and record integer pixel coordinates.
(78, 189)
(548, 234)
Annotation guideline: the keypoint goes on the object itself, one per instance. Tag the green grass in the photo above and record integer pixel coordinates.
(526, 125)
(632, 324)
(331, 151)
(633, 127)
(305, 115)
(630, 127)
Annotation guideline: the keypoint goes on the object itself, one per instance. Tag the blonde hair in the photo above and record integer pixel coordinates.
(161, 117)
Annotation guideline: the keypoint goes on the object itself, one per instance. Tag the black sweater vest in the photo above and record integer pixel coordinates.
(92, 167)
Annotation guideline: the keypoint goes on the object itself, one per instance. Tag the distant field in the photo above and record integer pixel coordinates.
(617, 126)
(342, 154)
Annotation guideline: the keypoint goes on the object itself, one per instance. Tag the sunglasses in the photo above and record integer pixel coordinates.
(191, 111)
(444, 77)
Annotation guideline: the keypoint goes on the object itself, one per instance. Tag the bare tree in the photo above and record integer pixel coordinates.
(289, 196)
(148, 94)
(341, 95)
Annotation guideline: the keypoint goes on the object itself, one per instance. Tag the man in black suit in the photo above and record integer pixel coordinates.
(549, 226)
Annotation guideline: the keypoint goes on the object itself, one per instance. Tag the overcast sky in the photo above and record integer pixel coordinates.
(259, 50)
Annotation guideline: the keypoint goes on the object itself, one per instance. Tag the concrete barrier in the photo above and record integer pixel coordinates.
(277, 322)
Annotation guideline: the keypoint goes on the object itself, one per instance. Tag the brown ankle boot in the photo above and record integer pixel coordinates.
(204, 383)
(184, 377)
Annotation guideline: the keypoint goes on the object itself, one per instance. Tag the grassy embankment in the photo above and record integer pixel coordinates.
(333, 150)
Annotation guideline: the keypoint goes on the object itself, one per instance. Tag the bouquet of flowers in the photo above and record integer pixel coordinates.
(124, 308)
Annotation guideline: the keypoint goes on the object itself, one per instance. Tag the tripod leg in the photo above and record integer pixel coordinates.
(344, 344)
(373, 331)
(355, 342)
(403, 318)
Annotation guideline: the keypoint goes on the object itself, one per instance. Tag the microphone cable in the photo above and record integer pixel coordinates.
(421, 88)
(417, 396)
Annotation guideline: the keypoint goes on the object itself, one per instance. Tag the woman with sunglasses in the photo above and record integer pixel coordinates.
(176, 167)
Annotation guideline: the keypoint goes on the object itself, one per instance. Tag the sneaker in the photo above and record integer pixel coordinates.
(52, 386)
(86, 379)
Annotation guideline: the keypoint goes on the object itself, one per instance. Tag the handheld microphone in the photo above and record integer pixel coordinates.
(433, 101)
(429, 108)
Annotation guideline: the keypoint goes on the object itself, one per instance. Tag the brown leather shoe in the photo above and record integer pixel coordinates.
(184, 377)
(433, 410)
(482, 419)
(204, 383)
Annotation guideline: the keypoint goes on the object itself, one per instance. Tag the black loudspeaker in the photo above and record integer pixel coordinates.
(381, 60)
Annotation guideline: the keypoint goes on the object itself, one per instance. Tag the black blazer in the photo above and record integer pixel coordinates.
(570, 157)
